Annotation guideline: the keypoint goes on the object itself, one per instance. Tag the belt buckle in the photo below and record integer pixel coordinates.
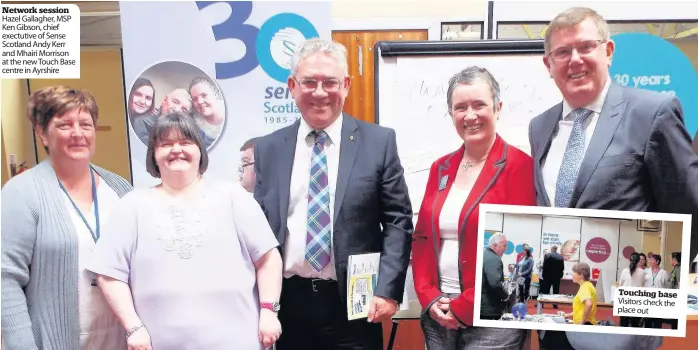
(314, 286)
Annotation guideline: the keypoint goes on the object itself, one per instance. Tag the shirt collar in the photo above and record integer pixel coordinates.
(594, 106)
(334, 130)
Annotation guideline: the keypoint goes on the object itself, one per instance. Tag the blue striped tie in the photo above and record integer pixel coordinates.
(569, 169)
(317, 249)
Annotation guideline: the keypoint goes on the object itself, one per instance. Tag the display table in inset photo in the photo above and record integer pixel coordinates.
(561, 299)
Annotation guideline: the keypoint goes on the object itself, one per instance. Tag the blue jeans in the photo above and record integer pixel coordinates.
(440, 338)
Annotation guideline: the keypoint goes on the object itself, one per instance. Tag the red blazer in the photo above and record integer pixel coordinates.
(506, 178)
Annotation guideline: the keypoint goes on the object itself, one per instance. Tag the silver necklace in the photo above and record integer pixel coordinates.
(470, 164)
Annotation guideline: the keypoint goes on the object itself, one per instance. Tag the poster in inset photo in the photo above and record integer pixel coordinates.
(174, 86)
(625, 269)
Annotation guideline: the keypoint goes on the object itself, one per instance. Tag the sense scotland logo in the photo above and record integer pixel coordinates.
(270, 46)
(277, 41)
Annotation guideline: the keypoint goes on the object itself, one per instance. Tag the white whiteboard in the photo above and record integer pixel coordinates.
(411, 98)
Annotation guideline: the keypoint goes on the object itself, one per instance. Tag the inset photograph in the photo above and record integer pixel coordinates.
(175, 86)
(583, 270)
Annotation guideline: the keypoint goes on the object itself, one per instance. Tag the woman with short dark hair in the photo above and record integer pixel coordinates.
(52, 217)
(190, 263)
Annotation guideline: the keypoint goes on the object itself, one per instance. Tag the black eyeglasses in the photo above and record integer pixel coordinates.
(243, 166)
(583, 48)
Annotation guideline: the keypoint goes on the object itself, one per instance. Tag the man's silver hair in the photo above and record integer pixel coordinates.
(496, 238)
(315, 45)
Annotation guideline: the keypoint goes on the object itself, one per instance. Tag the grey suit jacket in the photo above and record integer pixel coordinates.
(640, 158)
(372, 209)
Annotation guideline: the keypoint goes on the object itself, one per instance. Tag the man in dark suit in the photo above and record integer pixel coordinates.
(553, 270)
(607, 146)
(332, 186)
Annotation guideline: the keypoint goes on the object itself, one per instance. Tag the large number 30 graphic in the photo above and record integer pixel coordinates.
(256, 40)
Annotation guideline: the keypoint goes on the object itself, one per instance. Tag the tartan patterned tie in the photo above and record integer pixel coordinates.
(317, 249)
(569, 169)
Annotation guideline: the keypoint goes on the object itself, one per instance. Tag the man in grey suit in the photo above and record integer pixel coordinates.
(332, 186)
(607, 147)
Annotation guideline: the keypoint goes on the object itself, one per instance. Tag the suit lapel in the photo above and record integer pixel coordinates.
(609, 119)
(550, 127)
(349, 145)
(287, 152)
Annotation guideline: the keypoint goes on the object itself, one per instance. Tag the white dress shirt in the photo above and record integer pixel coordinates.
(553, 161)
(294, 257)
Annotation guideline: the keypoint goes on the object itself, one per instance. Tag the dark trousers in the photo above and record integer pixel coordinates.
(544, 286)
(626, 321)
(313, 317)
(547, 283)
(555, 283)
(525, 290)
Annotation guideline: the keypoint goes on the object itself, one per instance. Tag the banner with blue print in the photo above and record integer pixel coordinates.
(650, 62)
(224, 63)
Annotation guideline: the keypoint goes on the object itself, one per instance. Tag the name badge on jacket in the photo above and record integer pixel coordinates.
(443, 182)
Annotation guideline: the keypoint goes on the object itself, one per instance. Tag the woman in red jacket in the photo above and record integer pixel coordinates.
(484, 170)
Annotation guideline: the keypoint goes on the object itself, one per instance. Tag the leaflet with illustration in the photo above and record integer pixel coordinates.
(362, 277)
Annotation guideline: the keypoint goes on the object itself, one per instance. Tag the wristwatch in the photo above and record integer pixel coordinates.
(274, 306)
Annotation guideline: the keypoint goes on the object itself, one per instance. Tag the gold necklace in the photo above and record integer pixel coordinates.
(470, 164)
